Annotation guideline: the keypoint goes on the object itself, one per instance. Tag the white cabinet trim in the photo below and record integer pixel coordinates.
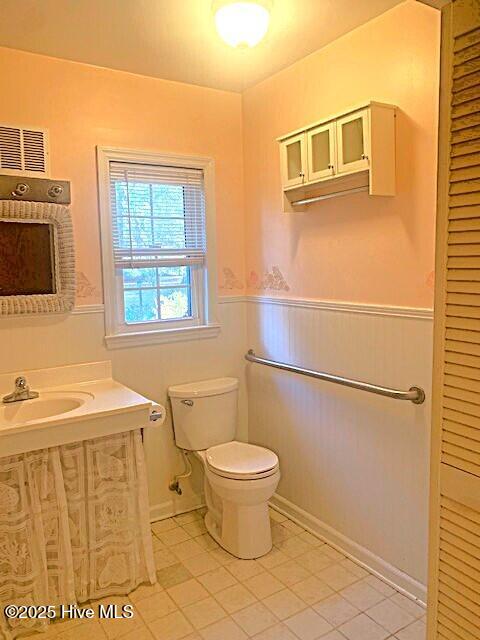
(336, 116)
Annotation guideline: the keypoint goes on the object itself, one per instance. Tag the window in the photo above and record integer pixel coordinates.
(156, 219)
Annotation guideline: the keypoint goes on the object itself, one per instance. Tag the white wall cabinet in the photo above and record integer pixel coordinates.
(344, 153)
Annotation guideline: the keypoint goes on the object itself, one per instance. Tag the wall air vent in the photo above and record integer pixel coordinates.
(23, 151)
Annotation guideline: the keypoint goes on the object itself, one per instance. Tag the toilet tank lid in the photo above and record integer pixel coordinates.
(203, 388)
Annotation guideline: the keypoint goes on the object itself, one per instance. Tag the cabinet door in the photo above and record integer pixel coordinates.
(353, 142)
(321, 152)
(454, 576)
(293, 160)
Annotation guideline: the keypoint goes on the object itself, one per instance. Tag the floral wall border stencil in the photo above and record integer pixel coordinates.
(85, 289)
(272, 280)
(230, 280)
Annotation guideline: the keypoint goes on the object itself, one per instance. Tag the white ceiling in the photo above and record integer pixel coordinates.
(176, 39)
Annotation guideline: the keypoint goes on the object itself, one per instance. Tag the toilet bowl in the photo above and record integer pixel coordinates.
(239, 479)
(245, 482)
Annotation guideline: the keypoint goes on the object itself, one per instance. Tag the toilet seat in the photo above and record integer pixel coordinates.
(241, 461)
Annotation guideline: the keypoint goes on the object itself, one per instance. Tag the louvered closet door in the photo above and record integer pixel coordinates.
(454, 586)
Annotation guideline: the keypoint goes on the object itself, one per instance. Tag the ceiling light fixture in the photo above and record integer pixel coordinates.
(242, 24)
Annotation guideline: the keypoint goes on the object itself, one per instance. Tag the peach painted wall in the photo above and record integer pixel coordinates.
(356, 248)
(350, 249)
(84, 106)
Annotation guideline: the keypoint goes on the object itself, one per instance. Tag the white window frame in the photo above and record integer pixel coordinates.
(204, 281)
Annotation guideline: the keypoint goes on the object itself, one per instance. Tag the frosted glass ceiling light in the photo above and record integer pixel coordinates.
(242, 24)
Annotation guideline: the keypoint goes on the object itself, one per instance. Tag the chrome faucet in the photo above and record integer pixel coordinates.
(21, 391)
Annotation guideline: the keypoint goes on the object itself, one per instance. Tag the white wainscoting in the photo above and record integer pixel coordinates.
(354, 465)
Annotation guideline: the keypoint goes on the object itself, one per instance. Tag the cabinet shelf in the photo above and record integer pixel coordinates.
(343, 154)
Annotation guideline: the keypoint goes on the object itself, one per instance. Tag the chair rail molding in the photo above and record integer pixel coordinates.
(421, 313)
(347, 307)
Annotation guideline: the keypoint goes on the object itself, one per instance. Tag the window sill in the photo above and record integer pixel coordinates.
(144, 338)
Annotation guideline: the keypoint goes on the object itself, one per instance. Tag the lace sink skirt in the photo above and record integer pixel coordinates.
(74, 525)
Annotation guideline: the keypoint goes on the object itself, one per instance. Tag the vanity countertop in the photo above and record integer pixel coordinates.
(76, 402)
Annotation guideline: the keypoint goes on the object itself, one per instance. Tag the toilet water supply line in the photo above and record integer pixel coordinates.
(175, 484)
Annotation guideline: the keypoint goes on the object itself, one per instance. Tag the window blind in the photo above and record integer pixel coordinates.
(158, 215)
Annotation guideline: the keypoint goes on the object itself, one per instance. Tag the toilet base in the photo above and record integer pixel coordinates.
(213, 529)
(247, 543)
(242, 525)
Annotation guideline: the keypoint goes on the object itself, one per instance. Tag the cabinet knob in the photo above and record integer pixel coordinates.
(301, 174)
(330, 166)
(364, 157)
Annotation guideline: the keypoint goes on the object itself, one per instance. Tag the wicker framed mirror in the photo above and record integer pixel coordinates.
(37, 261)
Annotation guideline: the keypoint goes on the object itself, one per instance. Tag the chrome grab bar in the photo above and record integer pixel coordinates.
(414, 394)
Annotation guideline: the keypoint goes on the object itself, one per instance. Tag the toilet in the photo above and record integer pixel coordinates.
(240, 478)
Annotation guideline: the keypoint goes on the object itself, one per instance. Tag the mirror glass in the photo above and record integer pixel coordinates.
(27, 258)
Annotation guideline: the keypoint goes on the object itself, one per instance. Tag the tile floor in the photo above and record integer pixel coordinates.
(302, 590)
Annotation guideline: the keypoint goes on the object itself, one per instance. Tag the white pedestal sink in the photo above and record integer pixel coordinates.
(75, 403)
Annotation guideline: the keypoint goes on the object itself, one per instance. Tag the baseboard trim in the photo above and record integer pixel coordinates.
(373, 563)
(176, 506)
(365, 558)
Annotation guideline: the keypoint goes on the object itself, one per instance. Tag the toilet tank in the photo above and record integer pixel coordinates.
(204, 413)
